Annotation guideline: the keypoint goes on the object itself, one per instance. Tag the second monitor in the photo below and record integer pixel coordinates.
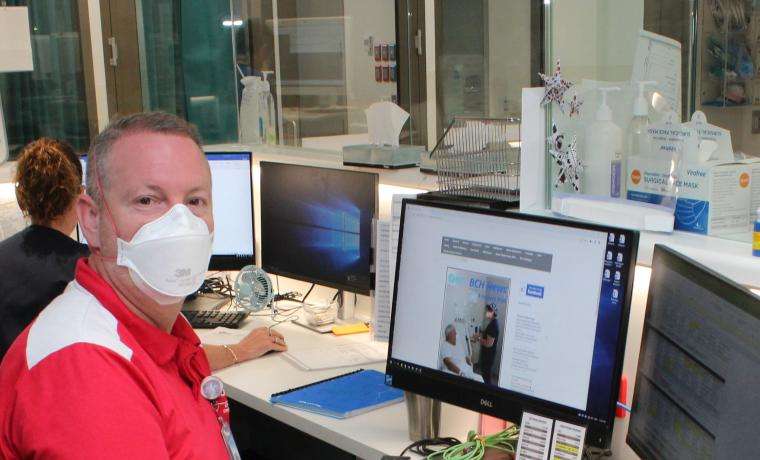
(316, 224)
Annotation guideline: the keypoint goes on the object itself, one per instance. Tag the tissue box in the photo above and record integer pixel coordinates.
(713, 197)
(382, 156)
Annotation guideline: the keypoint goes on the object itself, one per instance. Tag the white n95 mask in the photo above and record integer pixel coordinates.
(167, 258)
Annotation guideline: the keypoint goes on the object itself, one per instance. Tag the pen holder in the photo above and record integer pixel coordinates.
(424, 416)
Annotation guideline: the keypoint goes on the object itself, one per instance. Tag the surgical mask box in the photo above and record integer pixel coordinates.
(713, 197)
(754, 204)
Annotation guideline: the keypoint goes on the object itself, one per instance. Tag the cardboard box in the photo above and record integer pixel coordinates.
(713, 198)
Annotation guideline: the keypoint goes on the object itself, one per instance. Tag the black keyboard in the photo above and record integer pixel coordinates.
(209, 319)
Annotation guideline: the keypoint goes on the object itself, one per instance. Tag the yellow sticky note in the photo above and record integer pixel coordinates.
(345, 329)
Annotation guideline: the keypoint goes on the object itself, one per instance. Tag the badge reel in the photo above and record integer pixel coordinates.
(212, 389)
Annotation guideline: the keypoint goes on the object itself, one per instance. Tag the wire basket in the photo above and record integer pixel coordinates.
(479, 158)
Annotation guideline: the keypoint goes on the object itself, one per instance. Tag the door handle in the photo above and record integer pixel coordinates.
(418, 42)
(114, 60)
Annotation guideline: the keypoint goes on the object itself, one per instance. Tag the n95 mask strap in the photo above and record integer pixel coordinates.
(167, 258)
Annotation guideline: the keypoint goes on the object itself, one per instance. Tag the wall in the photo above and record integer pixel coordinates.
(365, 18)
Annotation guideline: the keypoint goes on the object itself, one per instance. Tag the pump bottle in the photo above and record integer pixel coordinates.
(250, 110)
(604, 153)
(636, 138)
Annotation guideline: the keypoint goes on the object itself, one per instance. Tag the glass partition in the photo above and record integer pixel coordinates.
(704, 56)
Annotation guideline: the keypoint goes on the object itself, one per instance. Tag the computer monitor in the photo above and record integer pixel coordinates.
(232, 196)
(316, 224)
(696, 384)
(560, 291)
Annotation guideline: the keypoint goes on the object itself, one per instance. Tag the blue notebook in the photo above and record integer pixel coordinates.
(342, 396)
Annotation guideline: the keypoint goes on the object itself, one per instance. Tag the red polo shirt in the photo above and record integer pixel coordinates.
(90, 379)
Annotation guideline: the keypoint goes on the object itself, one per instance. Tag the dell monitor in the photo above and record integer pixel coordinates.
(232, 197)
(316, 224)
(503, 313)
(696, 384)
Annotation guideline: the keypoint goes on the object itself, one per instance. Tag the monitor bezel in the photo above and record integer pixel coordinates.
(492, 400)
(232, 262)
(735, 294)
(312, 279)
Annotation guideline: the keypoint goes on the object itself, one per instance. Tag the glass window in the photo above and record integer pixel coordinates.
(325, 61)
(51, 100)
(487, 51)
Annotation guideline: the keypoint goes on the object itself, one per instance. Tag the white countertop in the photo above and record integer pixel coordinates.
(368, 436)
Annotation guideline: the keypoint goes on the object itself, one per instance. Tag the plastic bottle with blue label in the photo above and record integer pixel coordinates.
(756, 236)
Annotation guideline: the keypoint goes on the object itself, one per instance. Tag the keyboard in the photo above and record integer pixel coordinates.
(209, 319)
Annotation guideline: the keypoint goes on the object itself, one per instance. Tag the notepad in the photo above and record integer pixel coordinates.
(343, 354)
(343, 396)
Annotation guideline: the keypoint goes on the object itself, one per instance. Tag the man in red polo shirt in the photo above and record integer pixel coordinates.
(109, 369)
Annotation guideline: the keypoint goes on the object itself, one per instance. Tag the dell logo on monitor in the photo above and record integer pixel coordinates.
(486, 403)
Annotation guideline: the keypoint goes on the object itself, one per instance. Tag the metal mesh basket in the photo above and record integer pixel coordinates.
(480, 158)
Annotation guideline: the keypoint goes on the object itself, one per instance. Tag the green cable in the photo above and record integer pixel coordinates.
(475, 446)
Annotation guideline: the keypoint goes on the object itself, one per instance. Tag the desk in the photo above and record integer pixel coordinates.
(368, 436)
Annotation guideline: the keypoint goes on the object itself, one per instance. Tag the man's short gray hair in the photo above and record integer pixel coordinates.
(148, 122)
(449, 329)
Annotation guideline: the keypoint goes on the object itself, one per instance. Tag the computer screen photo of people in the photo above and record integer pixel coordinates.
(475, 307)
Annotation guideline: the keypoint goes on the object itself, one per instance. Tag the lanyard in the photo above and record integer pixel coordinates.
(213, 390)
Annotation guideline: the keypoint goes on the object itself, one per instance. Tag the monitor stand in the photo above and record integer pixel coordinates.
(424, 416)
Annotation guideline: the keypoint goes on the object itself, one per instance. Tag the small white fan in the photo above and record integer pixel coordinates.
(253, 288)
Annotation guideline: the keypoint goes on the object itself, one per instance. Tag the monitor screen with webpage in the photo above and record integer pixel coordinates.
(695, 394)
(232, 197)
(504, 313)
(316, 224)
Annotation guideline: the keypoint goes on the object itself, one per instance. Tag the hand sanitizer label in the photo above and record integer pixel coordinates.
(615, 178)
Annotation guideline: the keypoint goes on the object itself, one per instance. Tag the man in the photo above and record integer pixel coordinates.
(108, 369)
(488, 341)
(453, 359)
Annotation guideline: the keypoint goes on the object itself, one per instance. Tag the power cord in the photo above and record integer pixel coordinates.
(426, 447)
(475, 446)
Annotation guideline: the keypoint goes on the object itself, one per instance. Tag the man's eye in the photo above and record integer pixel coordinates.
(145, 200)
(196, 202)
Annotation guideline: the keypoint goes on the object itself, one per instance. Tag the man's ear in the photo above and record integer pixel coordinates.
(89, 220)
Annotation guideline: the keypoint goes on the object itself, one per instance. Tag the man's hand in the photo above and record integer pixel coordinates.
(259, 342)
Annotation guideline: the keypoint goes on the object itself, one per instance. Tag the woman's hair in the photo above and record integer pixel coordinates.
(48, 179)
(490, 307)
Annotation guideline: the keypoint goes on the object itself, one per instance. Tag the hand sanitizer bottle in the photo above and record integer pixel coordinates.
(249, 111)
(636, 138)
(603, 154)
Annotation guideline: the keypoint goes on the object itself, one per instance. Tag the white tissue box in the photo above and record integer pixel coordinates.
(713, 197)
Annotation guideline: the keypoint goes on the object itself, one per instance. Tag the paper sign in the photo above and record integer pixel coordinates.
(567, 442)
(535, 433)
(658, 59)
(15, 40)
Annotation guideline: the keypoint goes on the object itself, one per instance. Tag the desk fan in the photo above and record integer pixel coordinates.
(253, 288)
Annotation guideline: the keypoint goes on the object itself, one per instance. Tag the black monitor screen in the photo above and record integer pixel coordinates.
(316, 224)
(504, 313)
(696, 385)
(232, 197)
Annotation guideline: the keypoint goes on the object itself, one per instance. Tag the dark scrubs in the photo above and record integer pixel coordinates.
(36, 264)
(488, 355)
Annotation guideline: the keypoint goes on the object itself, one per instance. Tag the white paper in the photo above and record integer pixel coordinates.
(15, 40)
(567, 441)
(342, 355)
(658, 59)
(381, 306)
(535, 433)
(221, 335)
(385, 120)
(723, 149)
(533, 151)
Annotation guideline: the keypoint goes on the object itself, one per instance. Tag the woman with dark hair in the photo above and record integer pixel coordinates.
(38, 262)
(488, 340)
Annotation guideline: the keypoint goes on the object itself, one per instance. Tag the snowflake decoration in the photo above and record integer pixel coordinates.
(555, 87)
(566, 157)
(573, 107)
